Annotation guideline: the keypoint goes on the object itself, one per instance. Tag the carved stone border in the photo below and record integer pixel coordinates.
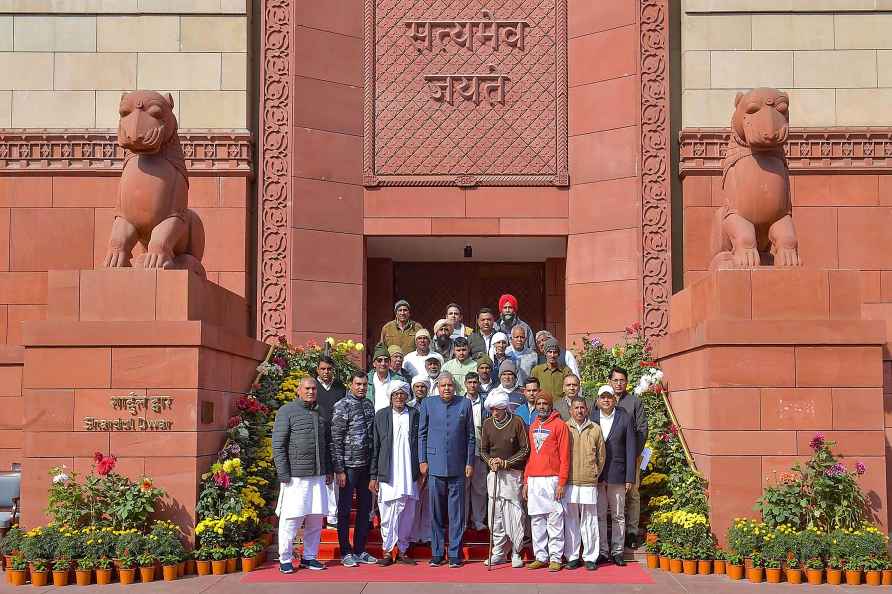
(562, 172)
(817, 150)
(276, 144)
(656, 206)
(96, 152)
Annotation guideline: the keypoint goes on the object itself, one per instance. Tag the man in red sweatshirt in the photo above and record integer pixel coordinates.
(545, 478)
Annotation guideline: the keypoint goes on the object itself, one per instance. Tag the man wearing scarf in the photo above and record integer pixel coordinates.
(508, 319)
(442, 344)
(508, 386)
(401, 330)
(504, 447)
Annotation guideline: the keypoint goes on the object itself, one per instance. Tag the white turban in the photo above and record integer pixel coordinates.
(605, 389)
(398, 387)
(440, 323)
(496, 399)
(421, 379)
(499, 336)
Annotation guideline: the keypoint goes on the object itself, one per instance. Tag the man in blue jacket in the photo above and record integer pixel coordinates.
(446, 445)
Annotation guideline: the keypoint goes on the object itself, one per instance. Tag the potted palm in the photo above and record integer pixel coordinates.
(103, 571)
(126, 569)
(734, 565)
(61, 569)
(249, 556)
(17, 570)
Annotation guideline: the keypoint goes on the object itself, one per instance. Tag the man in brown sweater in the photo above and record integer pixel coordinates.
(504, 447)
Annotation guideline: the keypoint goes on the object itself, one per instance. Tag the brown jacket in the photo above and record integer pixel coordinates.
(391, 335)
(587, 453)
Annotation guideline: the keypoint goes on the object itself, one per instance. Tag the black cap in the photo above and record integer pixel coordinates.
(460, 341)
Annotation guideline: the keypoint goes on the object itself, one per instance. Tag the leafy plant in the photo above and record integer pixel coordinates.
(250, 550)
(217, 553)
(127, 562)
(39, 565)
(231, 551)
(12, 541)
(783, 504)
(61, 564)
(778, 543)
(757, 559)
(145, 559)
(19, 563)
(86, 563)
(811, 545)
(103, 563)
(128, 543)
(169, 559)
(745, 536)
(733, 558)
(874, 564)
(814, 563)
(793, 563)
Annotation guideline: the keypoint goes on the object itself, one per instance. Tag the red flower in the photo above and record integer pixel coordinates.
(97, 457)
(657, 388)
(106, 465)
(255, 386)
(648, 364)
(222, 480)
(234, 421)
(146, 484)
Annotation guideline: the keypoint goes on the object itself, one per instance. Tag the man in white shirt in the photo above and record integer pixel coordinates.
(413, 363)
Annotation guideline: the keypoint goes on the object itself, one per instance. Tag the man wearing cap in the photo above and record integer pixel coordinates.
(379, 378)
(462, 364)
(567, 357)
(504, 447)
(587, 456)
(421, 387)
(421, 524)
(401, 330)
(454, 317)
(433, 363)
(394, 473)
(525, 358)
(551, 374)
(508, 386)
(481, 338)
(396, 361)
(618, 473)
(442, 343)
(475, 490)
(508, 318)
(413, 363)
(484, 372)
(446, 446)
(545, 480)
(571, 390)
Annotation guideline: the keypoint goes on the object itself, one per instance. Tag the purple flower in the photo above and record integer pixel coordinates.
(595, 342)
(860, 468)
(836, 470)
(817, 442)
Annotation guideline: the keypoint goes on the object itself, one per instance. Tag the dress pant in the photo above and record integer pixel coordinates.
(357, 480)
(288, 528)
(447, 497)
(633, 503)
(475, 496)
(612, 499)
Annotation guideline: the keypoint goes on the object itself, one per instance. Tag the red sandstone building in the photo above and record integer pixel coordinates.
(346, 154)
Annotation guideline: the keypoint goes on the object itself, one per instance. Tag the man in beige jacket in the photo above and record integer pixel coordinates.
(581, 499)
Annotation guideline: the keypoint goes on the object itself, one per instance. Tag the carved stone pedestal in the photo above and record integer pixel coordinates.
(141, 364)
(757, 362)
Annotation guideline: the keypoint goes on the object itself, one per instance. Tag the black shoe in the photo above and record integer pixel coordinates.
(574, 564)
(436, 562)
(387, 561)
(618, 560)
(403, 560)
(602, 559)
(311, 564)
(591, 565)
(455, 563)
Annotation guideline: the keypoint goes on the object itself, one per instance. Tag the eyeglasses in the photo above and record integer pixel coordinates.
(380, 359)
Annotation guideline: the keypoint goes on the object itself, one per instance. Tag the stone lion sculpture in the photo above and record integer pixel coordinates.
(755, 219)
(153, 192)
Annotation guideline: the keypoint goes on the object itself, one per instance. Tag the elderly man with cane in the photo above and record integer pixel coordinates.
(504, 447)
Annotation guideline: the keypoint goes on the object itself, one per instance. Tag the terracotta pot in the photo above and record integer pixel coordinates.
(103, 577)
(232, 565)
(266, 539)
(815, 577)
(60, 578)
(755, 575)
(189, 567)
(747, 563)
(735, 572)
(689, 566)
(16, 576)
(84, 577)
(773, 575)
(218, 567)
(127, 576)
(653, 561)
(794, 576)
(704, 566)
(834, 576)
(853, 577)
(873, 578)
(718, 566)
(169, 573)
(887, 577)
(39, 578)
(664, 563)
(147, 574)
(675, 565)
(181, 569)
(247, 564)
(203, 567)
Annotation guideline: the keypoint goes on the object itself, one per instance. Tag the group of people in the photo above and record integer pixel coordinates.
(466, 429)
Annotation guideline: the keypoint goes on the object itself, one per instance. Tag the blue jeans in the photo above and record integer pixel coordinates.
(447, 497)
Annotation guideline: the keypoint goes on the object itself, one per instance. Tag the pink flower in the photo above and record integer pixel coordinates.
(222, 480)
(817, 442)
(234, 421)
(836, 470)
(860, 468)
(106, 465)
(97, 457)
(595, 342)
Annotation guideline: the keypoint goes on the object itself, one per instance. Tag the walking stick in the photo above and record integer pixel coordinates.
(492, 516)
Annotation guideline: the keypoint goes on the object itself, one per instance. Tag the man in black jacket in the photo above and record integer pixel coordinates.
(619, 381)
(351, 456)
(329, 389)
(303, 467)
(618, 474)
(395, 473)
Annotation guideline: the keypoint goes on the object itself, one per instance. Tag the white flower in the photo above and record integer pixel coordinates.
(266, 368)
(60, 478)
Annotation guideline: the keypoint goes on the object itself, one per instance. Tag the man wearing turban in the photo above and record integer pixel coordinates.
(508, 319)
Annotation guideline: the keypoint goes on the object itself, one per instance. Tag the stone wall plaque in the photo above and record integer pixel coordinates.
(465, 92)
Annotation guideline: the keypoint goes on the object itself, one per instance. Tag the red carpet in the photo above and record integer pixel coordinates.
(471, 573)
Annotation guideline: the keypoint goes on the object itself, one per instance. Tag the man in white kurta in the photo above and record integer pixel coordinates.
(303, 466)
(395, 473)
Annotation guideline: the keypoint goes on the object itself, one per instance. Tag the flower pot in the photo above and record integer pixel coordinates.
(675, 565)
(60, 578)
(147, 574)
(84, 577)
(39, 578)
(232, 565)
(735, 572)
(794, 576)
(704, 566)
(747, 563)
(218, 566)
(834, 576)
(815, 577)
(181, 569)
(689, 566)
(247, 564)
(853, 577)
(887, 577)
(127, 576)
(169, 573)
(773, 575)
(873, 577)
(203, 567)
(718, 566)
(755, 575)
(189, 568)
(266, 538)
(16, 577)
(653, 561)
(664, 563)
(103, 577)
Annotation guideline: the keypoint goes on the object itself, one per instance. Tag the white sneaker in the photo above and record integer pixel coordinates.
(493, 561)
(516, 561)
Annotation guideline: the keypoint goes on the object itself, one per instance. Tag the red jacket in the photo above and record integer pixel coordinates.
(552, 456)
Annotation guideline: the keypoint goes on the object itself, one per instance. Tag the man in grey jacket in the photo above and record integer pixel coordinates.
(619, 381)
(303, 466)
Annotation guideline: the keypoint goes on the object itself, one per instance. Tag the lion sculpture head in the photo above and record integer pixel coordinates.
(761, 119)
(147, 121)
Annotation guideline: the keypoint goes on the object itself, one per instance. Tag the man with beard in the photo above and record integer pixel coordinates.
(508, 319)
(413, 363)
(395, 474)
(432, 366)
(481, 338)
(442, 344)
(567, 357)
(400, 330)
(551, 374)
(484, 372)
(504, 448)
(421, 386)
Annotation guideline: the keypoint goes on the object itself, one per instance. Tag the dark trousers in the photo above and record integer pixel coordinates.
(357, 480)
(447, 495)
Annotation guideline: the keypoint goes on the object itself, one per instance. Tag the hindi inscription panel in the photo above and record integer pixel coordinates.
(465, 92)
